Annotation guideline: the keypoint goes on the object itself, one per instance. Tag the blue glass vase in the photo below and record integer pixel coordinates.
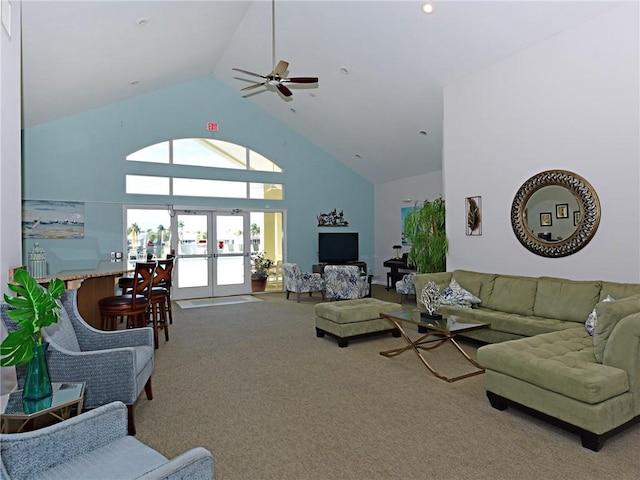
(37, 393)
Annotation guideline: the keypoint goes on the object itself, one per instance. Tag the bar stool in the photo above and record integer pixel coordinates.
(160, 299)
(163, 274)
(134, 305)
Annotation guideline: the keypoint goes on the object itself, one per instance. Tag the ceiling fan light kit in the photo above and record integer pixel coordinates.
(275, 78)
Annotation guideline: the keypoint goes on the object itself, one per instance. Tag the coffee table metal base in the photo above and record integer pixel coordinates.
(425, 342)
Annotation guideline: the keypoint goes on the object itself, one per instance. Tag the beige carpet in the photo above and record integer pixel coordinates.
(253, 384)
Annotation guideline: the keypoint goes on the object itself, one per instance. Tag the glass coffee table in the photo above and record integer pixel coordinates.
(438, 332)
(67, 401)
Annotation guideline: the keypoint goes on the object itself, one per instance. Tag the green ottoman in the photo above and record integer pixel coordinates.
(347, 319)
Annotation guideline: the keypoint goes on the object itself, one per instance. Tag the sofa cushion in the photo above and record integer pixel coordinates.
(566, 299)
(562, 362)
(454, 294)
(480, 284)
(618, 290)
(592, 319)
(609, 314)
(513, 294)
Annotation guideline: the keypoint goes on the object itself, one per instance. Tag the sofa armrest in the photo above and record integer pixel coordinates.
(623, 350)
(195, 464)
(27, 454)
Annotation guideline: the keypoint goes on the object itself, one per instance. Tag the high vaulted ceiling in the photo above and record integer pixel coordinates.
(381, 64)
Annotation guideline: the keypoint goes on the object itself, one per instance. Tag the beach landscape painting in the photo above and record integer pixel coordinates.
(52, 219)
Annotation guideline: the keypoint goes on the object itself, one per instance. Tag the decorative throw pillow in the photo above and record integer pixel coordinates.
(454, 294)
(592, 319)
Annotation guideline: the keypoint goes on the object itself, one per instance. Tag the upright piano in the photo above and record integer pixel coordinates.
(399, 267)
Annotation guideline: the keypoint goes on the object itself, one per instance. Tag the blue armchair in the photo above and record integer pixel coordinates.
(116, 365)
(301, 282)
(95, 444)
(345, 282)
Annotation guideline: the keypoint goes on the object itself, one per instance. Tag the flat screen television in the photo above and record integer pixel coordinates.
(338, 247)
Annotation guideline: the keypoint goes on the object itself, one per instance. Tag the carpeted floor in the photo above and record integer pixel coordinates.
(254, 385)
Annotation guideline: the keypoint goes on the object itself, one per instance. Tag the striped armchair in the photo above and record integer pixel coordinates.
(299, 282)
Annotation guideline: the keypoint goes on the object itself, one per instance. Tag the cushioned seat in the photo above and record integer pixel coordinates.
(353, 318)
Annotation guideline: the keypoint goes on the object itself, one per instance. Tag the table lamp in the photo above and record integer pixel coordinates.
(397, 248)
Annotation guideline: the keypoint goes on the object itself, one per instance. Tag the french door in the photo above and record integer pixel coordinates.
(213, 253)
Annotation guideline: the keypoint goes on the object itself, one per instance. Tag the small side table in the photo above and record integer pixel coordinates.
(67, 401)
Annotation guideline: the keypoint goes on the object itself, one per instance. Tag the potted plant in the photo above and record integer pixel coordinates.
(424, 229)
(35, 307)
(260, 272)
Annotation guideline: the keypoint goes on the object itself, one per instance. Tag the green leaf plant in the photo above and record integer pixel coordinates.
(35, 307)
(424, 229)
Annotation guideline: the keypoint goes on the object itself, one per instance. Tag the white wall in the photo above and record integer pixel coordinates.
(570, 102)
(10, 151)
(389, 199)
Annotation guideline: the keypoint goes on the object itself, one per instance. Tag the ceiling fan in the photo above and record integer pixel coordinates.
(275, 78)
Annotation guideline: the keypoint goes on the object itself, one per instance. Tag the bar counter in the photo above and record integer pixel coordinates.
(92, 285)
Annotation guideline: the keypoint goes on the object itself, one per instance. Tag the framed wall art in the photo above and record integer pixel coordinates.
(52, 219)
(545, 219)
(473, 208)
(562, 210)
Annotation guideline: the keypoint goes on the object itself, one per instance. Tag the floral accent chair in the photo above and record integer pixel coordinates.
(405, 286)
(345, 282)
(298, 282)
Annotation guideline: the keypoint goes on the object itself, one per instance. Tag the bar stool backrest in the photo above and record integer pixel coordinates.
(142, 281)
(163, 273)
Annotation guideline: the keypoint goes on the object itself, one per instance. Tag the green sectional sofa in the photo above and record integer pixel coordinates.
(543, 360)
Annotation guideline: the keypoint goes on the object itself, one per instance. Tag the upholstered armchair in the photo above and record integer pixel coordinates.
(95, 444)
(345, 282)
(115, 365)
(405, 286)
(299, 282)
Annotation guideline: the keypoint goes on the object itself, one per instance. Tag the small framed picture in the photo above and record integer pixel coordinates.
(576, 218)
(545, 219)
(562, 210)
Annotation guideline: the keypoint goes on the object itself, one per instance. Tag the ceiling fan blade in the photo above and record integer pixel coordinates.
(281, 67)
(248, 72)
(301, 80)
(284, 90)
(256, 85)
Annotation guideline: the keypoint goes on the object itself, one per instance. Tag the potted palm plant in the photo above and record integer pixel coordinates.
(260, 272)
(424, 229)
(34, 308)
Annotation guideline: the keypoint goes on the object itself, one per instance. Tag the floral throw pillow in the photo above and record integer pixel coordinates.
(454, 294)
(592, 319)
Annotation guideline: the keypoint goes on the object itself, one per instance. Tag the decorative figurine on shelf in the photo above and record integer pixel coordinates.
(430, 298)
(397, 248)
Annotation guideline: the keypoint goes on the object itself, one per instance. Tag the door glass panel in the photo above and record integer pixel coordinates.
(230, 270)
(193, 272)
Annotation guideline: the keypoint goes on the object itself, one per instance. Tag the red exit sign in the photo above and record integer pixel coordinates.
(212, 127)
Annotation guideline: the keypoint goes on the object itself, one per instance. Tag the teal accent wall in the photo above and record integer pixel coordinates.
(82, 158)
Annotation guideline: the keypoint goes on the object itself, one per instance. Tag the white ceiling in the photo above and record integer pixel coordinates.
(79, 55)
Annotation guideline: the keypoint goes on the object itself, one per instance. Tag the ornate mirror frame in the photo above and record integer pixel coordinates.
(588, 203)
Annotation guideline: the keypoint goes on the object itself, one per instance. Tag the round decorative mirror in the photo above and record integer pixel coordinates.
(555, 213)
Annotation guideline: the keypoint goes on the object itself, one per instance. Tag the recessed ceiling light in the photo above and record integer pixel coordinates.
(427, 8)
(423, 132)
(142, 21)
(344, 70)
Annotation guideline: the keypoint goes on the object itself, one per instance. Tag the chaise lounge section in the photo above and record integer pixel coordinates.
(542, 358)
